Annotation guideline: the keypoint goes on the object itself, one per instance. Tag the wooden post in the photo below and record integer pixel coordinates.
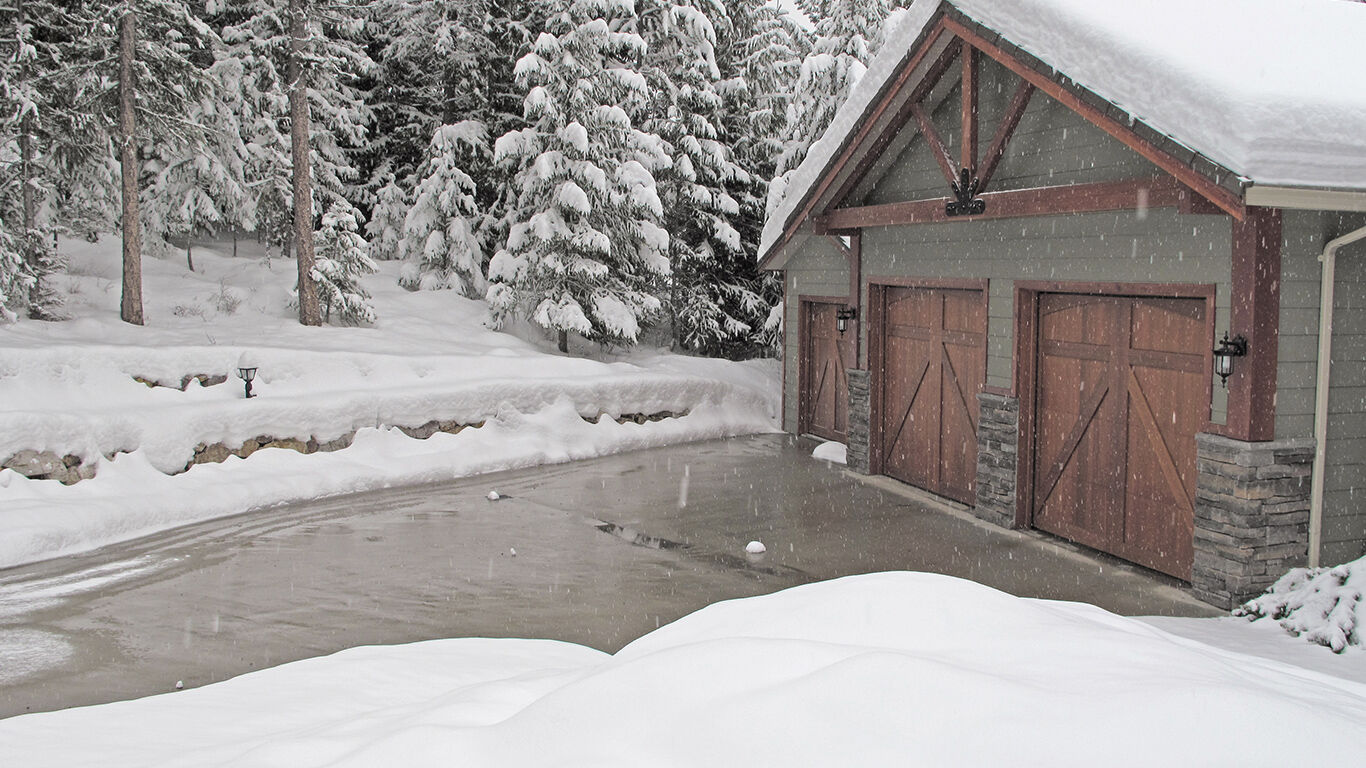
(969, 148)
(1256, 311)
(309, 313)
(130, 306)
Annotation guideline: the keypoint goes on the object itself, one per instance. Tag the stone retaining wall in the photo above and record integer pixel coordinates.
(1251, 515)
(70, 469)
(998, 439)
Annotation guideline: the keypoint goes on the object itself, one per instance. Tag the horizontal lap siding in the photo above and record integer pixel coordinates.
(816, 269)
(1305, 233)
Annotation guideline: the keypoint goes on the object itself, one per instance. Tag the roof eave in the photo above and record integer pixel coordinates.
(1306, 198)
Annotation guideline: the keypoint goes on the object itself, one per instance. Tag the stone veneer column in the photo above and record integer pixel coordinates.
(998, 439)
(860, 412)
(1251, 515)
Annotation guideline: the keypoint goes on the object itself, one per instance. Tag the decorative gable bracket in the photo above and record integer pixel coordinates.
(967, 202)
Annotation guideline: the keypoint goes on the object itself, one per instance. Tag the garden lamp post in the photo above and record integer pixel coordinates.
(246, 370)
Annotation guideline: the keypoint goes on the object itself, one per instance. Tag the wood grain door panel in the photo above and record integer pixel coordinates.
(1119, 397)
(934, 362)
(826, 356)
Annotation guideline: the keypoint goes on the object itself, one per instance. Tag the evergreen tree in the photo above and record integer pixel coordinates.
(253, 75)
(848, 33)
(340, 261)
(440, 243)
(385, 227)
(430, 73)
(714, 309)
(26, 261)
(586, 252)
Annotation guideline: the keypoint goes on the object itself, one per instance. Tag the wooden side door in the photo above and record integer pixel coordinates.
(826, 357)
(934, 362)
(1120, 394)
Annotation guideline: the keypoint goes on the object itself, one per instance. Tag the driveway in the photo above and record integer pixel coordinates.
(596, 552)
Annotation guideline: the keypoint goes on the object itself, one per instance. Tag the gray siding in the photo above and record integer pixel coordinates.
(1305, 234)
(817, 269)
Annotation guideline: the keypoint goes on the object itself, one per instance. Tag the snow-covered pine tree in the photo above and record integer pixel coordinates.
(586, 252)
(385, 227)
(26, 261)
(253, 79)
(848, 33)
(440, 243)
(340, 260)
(430, 72)
(713, 311)
(760, 55)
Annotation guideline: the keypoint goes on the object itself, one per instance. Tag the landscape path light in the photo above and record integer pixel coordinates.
(246, 370)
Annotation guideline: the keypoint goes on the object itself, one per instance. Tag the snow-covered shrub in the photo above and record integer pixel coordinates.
(440, 244)
(340, 260)
(1323, 605)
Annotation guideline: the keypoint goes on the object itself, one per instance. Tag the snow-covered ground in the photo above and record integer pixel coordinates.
(887, 669)
(69, 388)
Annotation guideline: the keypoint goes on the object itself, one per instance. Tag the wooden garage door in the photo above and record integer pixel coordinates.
(1121, 392)
(934, 357)
(826, 356)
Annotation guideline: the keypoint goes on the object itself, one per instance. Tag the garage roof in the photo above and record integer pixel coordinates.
(1268, 89)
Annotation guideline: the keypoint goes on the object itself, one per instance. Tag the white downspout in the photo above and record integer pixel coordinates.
(1329, 258)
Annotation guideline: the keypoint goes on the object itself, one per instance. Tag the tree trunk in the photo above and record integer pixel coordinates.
(562, 341)
(189, 255)
(130, 308)
(234, 241)
(303, 187)
(28, 245)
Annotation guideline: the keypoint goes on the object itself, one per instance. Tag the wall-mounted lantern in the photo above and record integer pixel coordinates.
(842, 317)
(1224, 354)
(246, 370)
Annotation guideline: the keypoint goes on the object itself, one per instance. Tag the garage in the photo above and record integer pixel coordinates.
(1121, 389)
(932, 350)
(826, 356)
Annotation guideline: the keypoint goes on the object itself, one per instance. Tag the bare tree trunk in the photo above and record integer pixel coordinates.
(130, 309)
(234, 241)
(303, 188)
(189, 256)
(562, 340)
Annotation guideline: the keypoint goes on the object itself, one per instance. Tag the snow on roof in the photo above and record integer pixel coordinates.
(1269, 89)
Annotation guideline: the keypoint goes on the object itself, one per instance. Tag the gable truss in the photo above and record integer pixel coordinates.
(951, 40)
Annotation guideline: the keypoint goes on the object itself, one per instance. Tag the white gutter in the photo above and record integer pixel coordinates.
(1329, 258)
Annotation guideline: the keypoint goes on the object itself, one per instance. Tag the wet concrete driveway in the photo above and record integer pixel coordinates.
(605, 551)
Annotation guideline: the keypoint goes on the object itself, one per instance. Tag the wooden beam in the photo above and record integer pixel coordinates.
(1256, 312)
(969, 94)
(1221, 197)
(1161, 192)
(936, 144)
(997, 149)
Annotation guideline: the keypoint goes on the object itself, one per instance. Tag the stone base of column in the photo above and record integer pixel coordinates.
(860, 412)
(1251, 515)
(997, 458)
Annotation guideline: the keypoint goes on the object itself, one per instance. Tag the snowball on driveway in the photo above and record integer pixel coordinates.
(902, 669)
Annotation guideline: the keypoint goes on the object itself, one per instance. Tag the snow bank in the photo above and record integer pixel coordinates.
(70, 388)
(885, 669)
(1322, 605)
